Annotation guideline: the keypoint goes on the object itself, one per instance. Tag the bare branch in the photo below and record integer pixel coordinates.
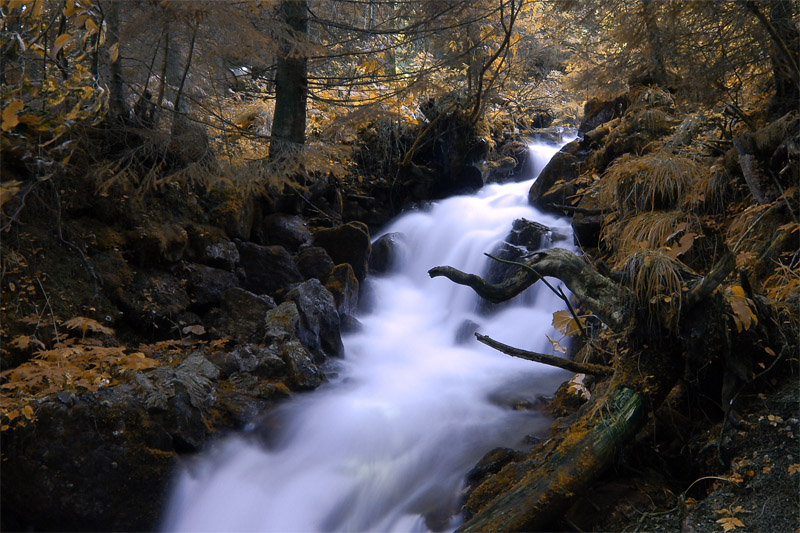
(550, 360)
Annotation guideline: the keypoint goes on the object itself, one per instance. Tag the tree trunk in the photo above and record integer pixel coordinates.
(784, 51)
(657, 68)
(291, 81)
(117, 97)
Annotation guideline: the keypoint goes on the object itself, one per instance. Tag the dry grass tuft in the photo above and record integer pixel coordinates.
(656, 283)
(648, 230)
(652, 121)
(658, 180)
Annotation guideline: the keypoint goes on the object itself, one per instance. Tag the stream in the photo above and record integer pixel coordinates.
(386, 443)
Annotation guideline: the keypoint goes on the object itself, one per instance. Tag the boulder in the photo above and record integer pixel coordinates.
(303, 372)
(348, 243)
(102, 461)
(267, 268)
(152, 245)
(52, 469)
(206, 285)
(597, 112)
(554, 184)
(343, 286)
(318, 327)
(466, 332)
(387, 251)
(221, 254)
(252, 359)
(152, 301)
(314, 262)
(289, 231)
(281, 324)
(241, 317)
(524, 238)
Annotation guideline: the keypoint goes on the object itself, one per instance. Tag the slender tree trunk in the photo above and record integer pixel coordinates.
(117, 101)
(784, 51)
(291, 81)
(657, 67)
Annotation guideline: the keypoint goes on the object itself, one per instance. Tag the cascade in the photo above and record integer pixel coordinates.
(385, 445)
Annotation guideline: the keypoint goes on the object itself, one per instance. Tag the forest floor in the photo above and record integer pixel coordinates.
(700, 476)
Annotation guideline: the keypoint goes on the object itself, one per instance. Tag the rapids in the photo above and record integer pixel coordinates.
(386, 443)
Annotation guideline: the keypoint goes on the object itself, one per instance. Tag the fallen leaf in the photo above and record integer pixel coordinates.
(730, 522)
(9, 117)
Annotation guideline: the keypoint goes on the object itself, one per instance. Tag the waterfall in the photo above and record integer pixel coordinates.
(385, 445)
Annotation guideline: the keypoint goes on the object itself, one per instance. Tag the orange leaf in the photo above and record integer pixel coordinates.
(566, 324)
(9, 117)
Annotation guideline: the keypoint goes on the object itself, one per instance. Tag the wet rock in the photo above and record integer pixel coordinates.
(314, 262)
(387, 251)
(52, 470)
(343, 286)
(554, 183)
(153, 300)
(288, 231)
(250, 359)
(495, 473)
(511, 166)
(466, 332)
(281, 324)
(241, 317)
(348, 243)
(206, 285)
(553, 134)
(524, 238)
(268, 268)
(303, 373)
(318, 328)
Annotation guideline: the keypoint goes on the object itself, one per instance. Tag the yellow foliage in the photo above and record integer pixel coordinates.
(68, 366)
(741, 307)
(87, 324)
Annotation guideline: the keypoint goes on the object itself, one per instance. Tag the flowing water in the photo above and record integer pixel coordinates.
(386, 444)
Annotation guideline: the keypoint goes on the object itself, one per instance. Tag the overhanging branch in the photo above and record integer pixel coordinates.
(599, 294)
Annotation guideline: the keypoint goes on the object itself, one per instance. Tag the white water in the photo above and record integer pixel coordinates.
(390, 440)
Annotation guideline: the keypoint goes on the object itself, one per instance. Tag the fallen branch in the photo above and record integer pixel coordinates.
(600, 295)
(551, 360)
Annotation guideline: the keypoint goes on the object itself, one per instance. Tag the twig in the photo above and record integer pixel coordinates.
(52, 315)
(581, 210)
(551, 360)
(86, 263)
(19, 209)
